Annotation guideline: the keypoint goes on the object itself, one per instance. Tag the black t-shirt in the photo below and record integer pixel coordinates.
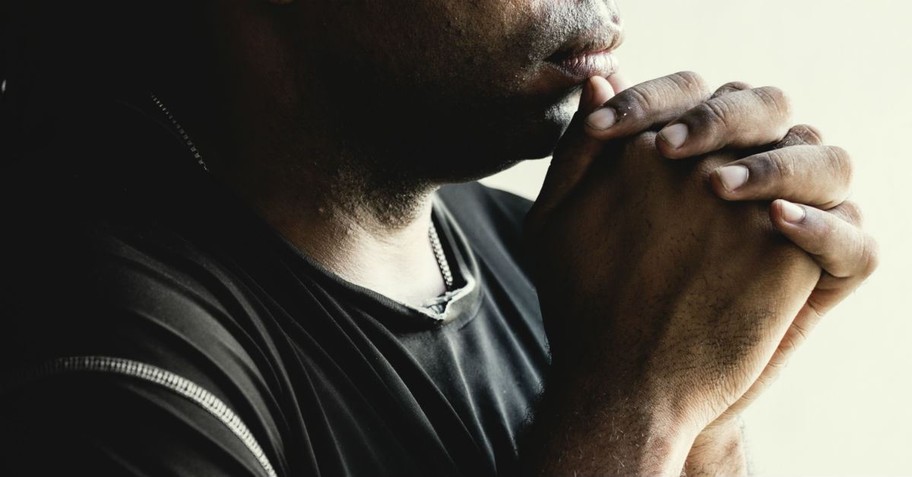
(153, 325)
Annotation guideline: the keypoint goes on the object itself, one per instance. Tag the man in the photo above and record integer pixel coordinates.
(235, 256)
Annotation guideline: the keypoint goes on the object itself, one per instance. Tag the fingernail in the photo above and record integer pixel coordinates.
(586, 94)
(733, 177)
(602, 118)
(792, 213)
(674, 135)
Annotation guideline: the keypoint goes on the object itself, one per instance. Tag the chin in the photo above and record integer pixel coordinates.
(490, 144)
(537, 136)
(530, 139)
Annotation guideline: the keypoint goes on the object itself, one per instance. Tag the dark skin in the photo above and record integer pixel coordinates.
(677, 287)
(337, 120)
(358, 164)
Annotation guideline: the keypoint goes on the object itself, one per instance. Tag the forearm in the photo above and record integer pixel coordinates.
(718, 450)
(585, 430)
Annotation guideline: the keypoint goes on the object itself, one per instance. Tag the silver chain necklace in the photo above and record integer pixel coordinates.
(441, 257)
(436, 246)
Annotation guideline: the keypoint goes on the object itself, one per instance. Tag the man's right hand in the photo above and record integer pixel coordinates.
(663, 305)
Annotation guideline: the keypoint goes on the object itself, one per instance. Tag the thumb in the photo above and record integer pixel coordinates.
(596, 92)
(574, 152)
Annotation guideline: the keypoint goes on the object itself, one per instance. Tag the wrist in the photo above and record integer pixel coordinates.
(583, 427)
(719, 449)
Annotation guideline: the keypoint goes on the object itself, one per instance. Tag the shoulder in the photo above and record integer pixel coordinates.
(125, 323)
(494, 202)
(491, 221)
(481, 208)
(68, 419)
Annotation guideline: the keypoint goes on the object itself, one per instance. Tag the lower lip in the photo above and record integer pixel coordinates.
(581, 67)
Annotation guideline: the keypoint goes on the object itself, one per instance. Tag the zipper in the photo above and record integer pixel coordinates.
(156, 375)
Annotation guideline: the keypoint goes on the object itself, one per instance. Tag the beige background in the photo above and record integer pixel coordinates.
(844, 405)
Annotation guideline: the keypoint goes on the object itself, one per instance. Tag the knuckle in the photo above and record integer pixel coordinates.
(774, 99)
(638, 101)
(690, 81)
(840, 162)
(852, 213)
(809, 134)
(791, 139)
(779, 165)
(735, 86)
(731, 87)
(715, 113)
(870, 256)
(634, 102)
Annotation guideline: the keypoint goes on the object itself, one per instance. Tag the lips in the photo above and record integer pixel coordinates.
(585, 65)
(587, 55)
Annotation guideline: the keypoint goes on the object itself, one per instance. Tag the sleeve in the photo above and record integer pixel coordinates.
(83, 423)
(161, 378)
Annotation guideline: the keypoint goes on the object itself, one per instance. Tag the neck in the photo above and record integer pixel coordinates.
(369, 233)
(339, 206)
(297, 156)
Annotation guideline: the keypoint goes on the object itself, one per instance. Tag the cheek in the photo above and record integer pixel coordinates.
(487, 42)
(470, 47)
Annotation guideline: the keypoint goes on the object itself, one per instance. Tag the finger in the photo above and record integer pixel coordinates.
(618, 82)
(848, 211)
(741, 119)
(839, 247)
(599, 91)
(847, 255)
(575, 151)
(645, 105)
(830, 290)
(814, 175)
(730, 88)
(801, 135)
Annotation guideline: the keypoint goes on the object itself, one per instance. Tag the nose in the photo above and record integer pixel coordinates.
(613, 12)
(606, 10)
(608, 15)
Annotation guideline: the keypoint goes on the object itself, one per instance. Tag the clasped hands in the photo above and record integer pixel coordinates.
(687, 241)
